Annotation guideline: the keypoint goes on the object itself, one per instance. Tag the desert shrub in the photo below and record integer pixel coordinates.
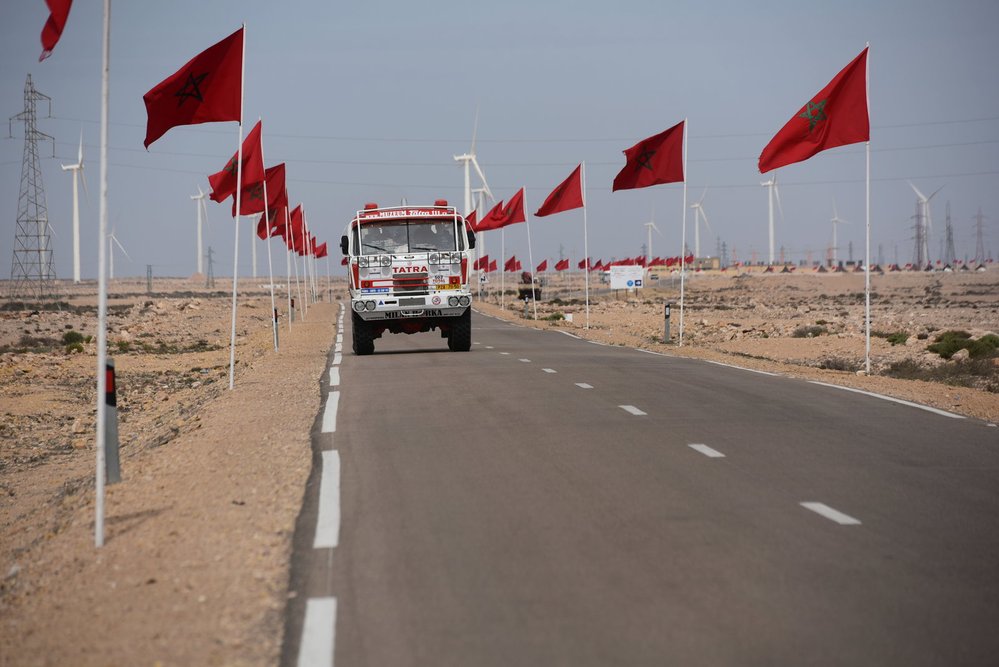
(898, 338)
(74, 348)
(838, 364)
(809, 332)
(71, 337)
(949, 342)
(984, 347)
(554, 317)
(124, 346)
(922, 335)
(68, 326)
(976, 373)
(821, 322)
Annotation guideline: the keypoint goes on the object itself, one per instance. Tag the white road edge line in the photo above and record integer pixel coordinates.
(893, 400)
(707, 451)
(831, 514)
(570, 335)
(549, 370)
(583, 385)
(329, 414)
(337, 358)
(741, 368)
(318, 633)
(334, 377)
(633, 410)
(338, 347)
(328, 519)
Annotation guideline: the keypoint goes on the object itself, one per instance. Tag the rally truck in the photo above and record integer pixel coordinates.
(408, 273)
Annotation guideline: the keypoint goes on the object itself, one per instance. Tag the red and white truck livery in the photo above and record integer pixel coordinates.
(408, 269)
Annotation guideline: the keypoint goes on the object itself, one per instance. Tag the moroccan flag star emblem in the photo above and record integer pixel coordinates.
(645, 160)
(813, 113)
(191, 89)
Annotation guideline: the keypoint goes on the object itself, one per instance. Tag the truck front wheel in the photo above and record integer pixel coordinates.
(364, 342)
(460, 339)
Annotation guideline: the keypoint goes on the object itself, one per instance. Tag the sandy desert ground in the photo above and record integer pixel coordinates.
(195, 567)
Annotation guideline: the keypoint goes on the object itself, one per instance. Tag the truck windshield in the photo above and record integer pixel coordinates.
(400, 237)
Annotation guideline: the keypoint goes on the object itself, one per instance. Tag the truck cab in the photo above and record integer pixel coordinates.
(408, 273)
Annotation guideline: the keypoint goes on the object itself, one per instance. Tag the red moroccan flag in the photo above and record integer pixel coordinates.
(836, 116)
(492, 266)
(224, 182)
(562, 265)
(52, 30)
(207, 89)
(321, 250)
(584, 264)
(598, 266)
(513, 212)
(294, 235)
(471, 219)
(653, 161)
(542, 267)
(252, 200)
(566, 196)
(511, 264)
(491, 219)
(344, 261)
(276, 226)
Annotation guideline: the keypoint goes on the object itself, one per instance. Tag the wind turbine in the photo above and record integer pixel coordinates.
(650, 225)
(836, 221)
(77, 170)
(772, 192)
(469, 159)
(699, 213)
(114, 239)
(924, 225)
(202, 215)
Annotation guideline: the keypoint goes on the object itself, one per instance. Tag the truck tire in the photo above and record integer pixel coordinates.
(460, 339)
(364, 342)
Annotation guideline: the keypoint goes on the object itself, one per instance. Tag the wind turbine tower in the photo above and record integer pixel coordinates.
(924, 223)
(699, 214)
(468, 161)
(202, 216)
(836, 222)
(31, 271)
(649, 226)
(77, 170)
(772, 193)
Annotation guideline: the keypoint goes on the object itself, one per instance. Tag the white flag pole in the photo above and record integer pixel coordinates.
(239, 201)
(287, 257)
(102, 290)
(586, 251)
(305, 271)
(867, 260)
(253, 249)
(683, 235)
(503, 274)
(530, 251)
(267, 240)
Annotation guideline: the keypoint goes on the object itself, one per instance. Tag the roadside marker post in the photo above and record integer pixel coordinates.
(112, 465)
(666, 333)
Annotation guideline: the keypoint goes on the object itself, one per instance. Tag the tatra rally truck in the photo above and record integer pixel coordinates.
(408, 269)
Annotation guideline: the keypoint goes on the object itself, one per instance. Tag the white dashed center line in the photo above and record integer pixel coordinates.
(329, 415)
(632, 409)
(583, 385)
(549, 370)
(504, 353)
(328, 521)
(318, 629)
(490, 347)
(526, 361)
(707, 451)
(831, 514)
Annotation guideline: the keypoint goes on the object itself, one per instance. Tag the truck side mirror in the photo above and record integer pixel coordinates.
(344, 244)
(471, 239)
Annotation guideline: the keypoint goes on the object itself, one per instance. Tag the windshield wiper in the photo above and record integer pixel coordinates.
(376, 247)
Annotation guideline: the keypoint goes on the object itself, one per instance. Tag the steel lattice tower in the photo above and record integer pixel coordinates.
(951, 256)
(31, 272)
(980, 238)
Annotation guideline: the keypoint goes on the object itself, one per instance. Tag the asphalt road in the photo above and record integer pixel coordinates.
(543, 500)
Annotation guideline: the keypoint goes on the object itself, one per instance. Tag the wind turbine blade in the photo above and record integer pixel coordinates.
(708, 224)
(935, 193)
(780, 206)
(835, 212)
(83, 177)
(79, 155)
(117, 243)
(482, 177)
(701, 200)
(51, 228)
(919, 194)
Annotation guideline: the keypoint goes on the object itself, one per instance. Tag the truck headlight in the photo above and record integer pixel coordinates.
(385, 260)
(452, 301)
(362, 262)
(358, 306)
(464, 300)
(456, 258)
(370, 305)
(434, 258)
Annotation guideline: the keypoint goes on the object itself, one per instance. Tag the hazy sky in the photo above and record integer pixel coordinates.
(369, 101)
